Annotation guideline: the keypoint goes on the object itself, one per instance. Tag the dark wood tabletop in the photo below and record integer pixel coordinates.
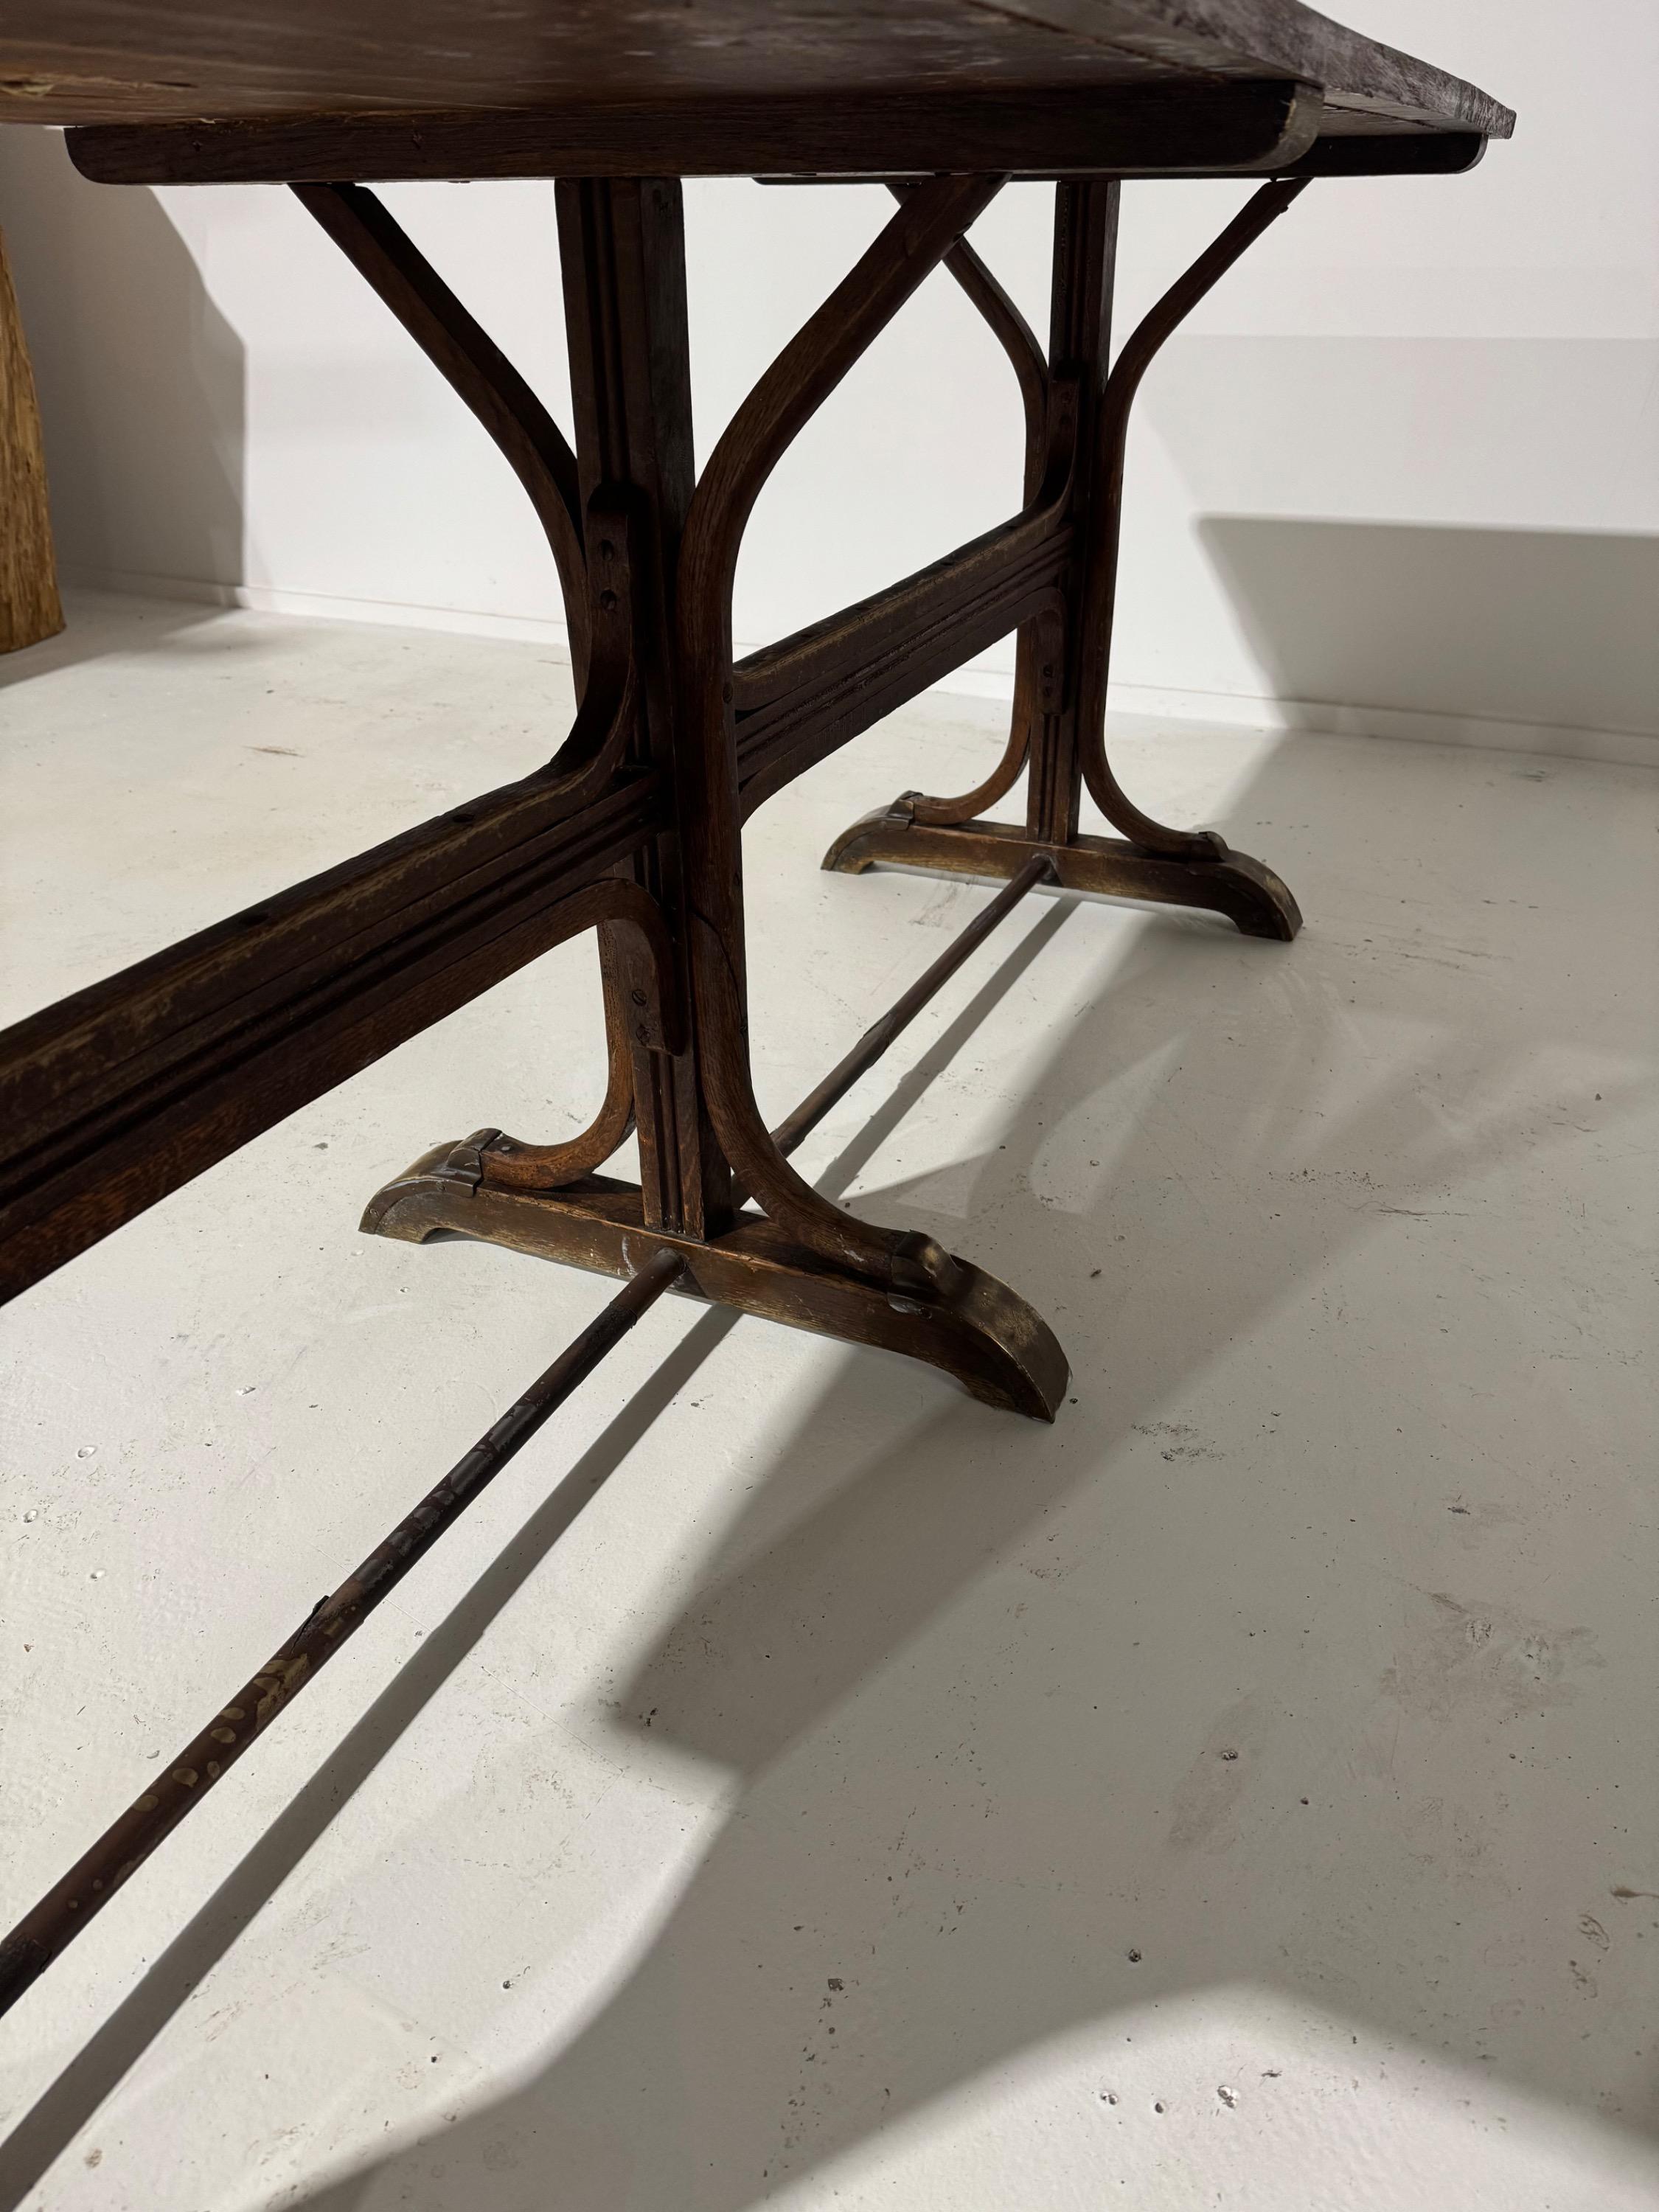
(734, 86)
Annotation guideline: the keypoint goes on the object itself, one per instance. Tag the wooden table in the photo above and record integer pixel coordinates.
(118, 1095)
(115, 1097)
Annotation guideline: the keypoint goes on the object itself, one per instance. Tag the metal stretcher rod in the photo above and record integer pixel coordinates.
(45, 1931)
(880, 1034)
(39, 1938)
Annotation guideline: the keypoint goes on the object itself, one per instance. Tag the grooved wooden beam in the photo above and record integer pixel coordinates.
(114, 1096)
(799, 701)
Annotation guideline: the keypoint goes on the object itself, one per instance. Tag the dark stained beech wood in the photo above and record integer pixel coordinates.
(927, 225)
(1099, 582)
(545, 1167)
(978, 1330)
(1245, 126)
(96, 61)
(1030, 366)
(105, 1127)
(1224, 882)
(1082, 274)
(113, 1097)
(622, 251)
(1002, 1351)
(30, 609)
(1064, 743)
(799, 701)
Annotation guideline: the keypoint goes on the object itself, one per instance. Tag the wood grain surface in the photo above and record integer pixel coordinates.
(29, 605)
(98, 61)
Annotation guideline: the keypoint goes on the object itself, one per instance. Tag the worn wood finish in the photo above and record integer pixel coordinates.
(1098, 585)
(545, 1167)
(978, 1330)
(1064, 745)
(1085, 266)
(113, 1100)
(1030, 363)
(1147, 128)
(89, 61)
(30, 609)
(1246, 890)
(924, 227)
(1004, 1353)
(114, 1096)
(622, 250)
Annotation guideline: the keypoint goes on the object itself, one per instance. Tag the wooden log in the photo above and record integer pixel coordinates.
(30, 608)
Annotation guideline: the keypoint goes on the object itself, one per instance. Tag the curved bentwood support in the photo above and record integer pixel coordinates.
(1070, 751)
(1100, 589)
(539, 455)
(1030, 367)
(736, 734)
(989, 1338)
(728, 734)
(928, 224)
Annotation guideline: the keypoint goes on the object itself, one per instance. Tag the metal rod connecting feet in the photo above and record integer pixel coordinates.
(952, 1315)
(981, 1331)
(54, 1923)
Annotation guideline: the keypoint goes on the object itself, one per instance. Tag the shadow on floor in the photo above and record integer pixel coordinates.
(963, 1907)
(1558, 626)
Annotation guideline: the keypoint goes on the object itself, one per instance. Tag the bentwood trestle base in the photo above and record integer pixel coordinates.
(732, 733)
(634, 828)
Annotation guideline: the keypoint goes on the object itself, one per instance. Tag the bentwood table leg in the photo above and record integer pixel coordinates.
(791, 1253)
(634, 828)
(1059, 705)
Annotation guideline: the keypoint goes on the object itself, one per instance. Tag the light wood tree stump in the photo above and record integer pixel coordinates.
(30, 608)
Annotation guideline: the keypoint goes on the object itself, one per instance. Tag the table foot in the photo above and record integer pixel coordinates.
(981, 1332)
(1246, 890)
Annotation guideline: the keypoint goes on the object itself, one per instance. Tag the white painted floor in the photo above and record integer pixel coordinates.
(795, 1783)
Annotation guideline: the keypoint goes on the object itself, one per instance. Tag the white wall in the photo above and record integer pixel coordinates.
(1405, 462)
